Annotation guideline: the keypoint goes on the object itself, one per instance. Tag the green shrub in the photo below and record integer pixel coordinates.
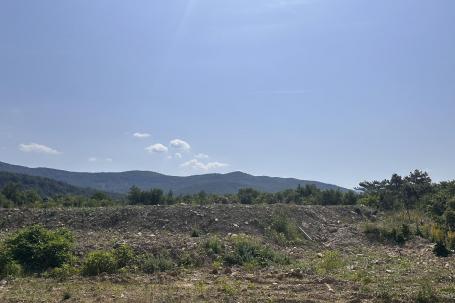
(191, 259)
(331, 261)
(38, 249)
(213, 246)
(158, 263)
(63, 272)
(4, 202)
(449, 217)
(98, 262)
(426, 294)
(397, 235)
(124, 255)
(283, 230)
(249, 251)
(195, 233)
(451, 239)
(8, 267)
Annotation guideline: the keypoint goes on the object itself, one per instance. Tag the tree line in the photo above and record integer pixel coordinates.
(415, 191)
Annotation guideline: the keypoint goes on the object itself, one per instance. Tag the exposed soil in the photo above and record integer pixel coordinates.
(370, 272)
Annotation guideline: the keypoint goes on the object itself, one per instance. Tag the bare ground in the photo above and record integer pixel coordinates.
(368, 272)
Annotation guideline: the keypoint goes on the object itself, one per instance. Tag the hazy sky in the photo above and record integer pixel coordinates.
(329, 90)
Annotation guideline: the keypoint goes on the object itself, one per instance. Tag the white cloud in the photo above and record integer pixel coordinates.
(213, 165)
(201, 156)
(180, 144)
(109, 160)
(178, 155)
(141, 135)
(156, 148)
(198, 165)
(38, 148)
(92, 159)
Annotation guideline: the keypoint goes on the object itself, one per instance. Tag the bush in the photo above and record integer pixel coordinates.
(191, 259)
(213, 246)
(331, 261)
(449, 217)
(124, 255)
(63, 272)
(4, 202)
(451, 239)
(388, 234)
(426, 294)
(98, 262)
(158, 263)
(38, 249)
(284, 230)
(8, 267)
(249, 251)
(369, 200)
(195, 233)
(437, 234)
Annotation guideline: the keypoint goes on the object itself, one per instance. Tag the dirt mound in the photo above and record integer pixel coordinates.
(330, 225)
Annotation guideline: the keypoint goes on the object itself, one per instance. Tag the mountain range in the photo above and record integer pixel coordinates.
(121, 182)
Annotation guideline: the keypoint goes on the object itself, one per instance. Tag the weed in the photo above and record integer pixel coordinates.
(436, 234)
(62, 273)
(98, 262)
(160, 262)
(249, 251)
(426, 294)
(379, 232)
(217, 264)
(213, 246)
(228, 287)
(195, 232)
(330, 262)
(201, 288)
(451, 239)
(124, 255)
(283, 230)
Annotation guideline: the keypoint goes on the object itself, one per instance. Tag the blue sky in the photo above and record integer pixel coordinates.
(329, 90)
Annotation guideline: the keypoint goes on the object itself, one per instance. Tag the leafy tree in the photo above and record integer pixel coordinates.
(31, 197)
(135, 195)
(154, 196)
(420, 183)
(349, 198)
(12, 192)
(247, 195)
(4, 202)
(99, 196)
(170, 197)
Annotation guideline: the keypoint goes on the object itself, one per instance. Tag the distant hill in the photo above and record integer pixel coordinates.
(120, 182)
(45, 187)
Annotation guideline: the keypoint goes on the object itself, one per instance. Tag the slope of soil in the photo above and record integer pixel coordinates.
(358, 271)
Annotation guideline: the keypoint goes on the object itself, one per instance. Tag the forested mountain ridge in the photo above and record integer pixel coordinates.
(45, 187)
(121, 182)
